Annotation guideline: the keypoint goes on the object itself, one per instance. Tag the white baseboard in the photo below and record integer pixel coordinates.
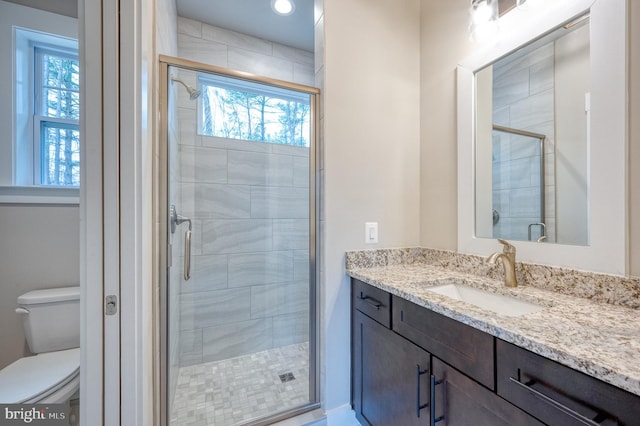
(342, 416)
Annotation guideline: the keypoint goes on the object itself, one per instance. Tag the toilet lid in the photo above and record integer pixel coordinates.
(31, 376)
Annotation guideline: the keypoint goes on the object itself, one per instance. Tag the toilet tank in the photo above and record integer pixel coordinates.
(51, 318)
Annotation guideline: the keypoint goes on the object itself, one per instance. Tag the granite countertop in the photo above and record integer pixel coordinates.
(599, 339)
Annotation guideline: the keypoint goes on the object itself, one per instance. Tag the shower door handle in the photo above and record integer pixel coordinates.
(174, 220)
(187, 253)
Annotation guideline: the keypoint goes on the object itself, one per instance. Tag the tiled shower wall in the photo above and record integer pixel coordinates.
(249, 204)
(523, 98)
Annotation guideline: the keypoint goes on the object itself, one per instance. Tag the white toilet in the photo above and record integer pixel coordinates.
(51, 321)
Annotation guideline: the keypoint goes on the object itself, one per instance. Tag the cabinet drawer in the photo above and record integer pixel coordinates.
(371, 301)
(556, 394)
(461, 401)
(465, 348)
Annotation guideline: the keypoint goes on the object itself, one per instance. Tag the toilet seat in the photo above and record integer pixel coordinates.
(37, 378)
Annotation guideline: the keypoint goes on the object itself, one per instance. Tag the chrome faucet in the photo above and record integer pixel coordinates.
(508, 258)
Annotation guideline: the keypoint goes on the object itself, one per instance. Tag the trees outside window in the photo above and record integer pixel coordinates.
(248, 111)
(56, 116)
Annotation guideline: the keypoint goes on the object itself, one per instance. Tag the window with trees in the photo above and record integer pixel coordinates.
(237, 109)
(45, 142)
(56, 116)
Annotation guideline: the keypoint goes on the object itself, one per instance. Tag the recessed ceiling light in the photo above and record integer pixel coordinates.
(283, 7)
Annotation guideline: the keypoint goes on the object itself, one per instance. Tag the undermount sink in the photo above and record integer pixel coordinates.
(498, 303)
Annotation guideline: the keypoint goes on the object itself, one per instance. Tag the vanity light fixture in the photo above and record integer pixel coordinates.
(483, 20)
(283, 7)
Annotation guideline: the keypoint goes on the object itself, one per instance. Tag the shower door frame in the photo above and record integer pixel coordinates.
(161, 184)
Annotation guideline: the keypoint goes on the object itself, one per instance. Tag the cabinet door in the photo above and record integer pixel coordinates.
(390, 376)
(458, 400)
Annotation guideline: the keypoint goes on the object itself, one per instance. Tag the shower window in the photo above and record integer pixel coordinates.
(236, 109)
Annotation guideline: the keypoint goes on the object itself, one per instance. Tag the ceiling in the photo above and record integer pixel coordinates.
(256, 18)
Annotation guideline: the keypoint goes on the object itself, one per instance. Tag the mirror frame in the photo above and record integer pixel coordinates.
(607, 193)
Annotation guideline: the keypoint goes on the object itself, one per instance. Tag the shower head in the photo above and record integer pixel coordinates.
(193, 93)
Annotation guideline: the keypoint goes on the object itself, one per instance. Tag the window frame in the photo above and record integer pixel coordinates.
(246, 86)
(17, 184)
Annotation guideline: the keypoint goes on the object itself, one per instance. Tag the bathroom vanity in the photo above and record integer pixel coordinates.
(420, 357)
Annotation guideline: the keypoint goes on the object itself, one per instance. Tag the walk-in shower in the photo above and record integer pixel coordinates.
(237, 209)
(518, 177)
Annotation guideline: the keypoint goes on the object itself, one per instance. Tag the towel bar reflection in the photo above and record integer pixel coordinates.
(174, 220)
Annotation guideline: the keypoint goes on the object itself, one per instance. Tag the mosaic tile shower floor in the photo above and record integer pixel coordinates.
(235, 390)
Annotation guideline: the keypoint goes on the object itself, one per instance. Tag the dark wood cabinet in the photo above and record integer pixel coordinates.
(558, 395)
(467, 349)
(460, 401)
(410, 364)
(390, 376)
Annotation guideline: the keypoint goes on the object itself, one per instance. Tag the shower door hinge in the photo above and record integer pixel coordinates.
(111, 305)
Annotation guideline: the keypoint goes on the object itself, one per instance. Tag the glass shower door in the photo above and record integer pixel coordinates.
(241, 277)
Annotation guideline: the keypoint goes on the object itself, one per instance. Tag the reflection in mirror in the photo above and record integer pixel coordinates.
(532, 140)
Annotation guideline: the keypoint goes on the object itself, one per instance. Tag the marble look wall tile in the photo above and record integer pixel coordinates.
(253, 168)
(290, 329)
(533, 110)
(257, 63)
(187, 127)
(541, 76)
(318, 31)
(501, 116)
(277, 202)
(290, 234)
(206, 309)
(301, 265)
(237, 339)
(236, 236)
(303, 74)
(235, 144)
(293, 54)
(524, 147)
(203, 165)
(196, 237)
(301, 171)
(190, 347)
(522, 59)
(210, 201)
(260, 268)
(208, 272)
(201, 50)
(182, 95)
(279, 299)
(189, 27)
(299, 151)
(236, 39)
(510, 88)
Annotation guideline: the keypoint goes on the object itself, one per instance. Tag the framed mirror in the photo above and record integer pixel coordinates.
(542, 137)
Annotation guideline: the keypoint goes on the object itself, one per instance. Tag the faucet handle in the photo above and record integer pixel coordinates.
(508, 248)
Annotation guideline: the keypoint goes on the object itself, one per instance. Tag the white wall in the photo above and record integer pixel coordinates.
(371, 155)
(39, 244)
(39, 248)
(444, 44)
